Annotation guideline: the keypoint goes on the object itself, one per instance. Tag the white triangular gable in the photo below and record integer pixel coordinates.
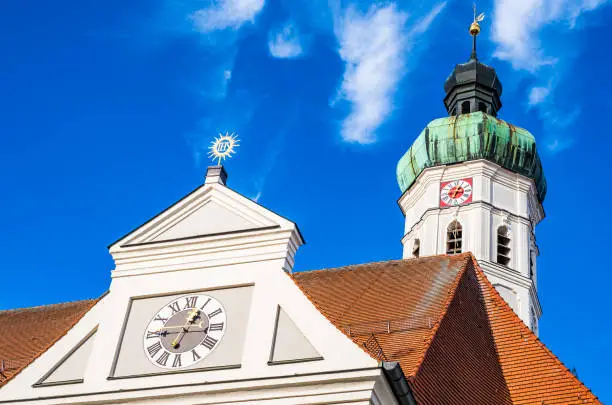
(289, 342)
(209, 219)
(71, 368)
(210, 210)
(211, 226)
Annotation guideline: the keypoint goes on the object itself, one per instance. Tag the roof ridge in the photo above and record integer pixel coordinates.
(449, 297)
(518, 321)
(3, 311)
(412, 259)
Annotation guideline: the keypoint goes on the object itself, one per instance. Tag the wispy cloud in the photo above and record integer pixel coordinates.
(225, 14)
(374, 47)
(517, 25)
(519, 32)
(286, 42)
(537, 95)
(219, 25)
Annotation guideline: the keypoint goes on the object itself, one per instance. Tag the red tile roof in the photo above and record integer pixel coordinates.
(27, 333)
(534, 375)
(405, 297)
(455, 338)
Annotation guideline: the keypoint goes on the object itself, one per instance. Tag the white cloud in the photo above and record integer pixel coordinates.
(519, 34)
(224, 14)
(423, 25)
(374, 47)
(557, 145)
(285, 43)
(538, 95)
(517, 25)
(257, 196)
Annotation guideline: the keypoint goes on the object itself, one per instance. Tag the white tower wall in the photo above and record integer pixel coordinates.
(500, 198)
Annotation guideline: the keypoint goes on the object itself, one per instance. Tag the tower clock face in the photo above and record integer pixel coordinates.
(184, 331)
(456, 192)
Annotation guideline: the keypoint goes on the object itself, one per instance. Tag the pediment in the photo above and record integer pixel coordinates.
(210, 210)
(211, 218)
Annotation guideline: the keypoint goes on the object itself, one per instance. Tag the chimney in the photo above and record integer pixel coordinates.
(216, 174)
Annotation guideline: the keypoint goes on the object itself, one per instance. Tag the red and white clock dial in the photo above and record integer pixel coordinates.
(456, 192)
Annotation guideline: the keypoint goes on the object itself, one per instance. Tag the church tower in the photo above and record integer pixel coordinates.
(472, 182)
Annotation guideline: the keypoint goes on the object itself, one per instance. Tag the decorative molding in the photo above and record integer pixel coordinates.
(206, 383)
(262, 228)
(276, 363)
(467, 207)
(169, 372)
(41, 383)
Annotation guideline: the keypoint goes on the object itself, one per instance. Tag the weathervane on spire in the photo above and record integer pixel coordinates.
(223, 147)
(475, 30)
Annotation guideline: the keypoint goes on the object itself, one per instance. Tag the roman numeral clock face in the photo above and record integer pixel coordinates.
(184, 331)
(456, 192)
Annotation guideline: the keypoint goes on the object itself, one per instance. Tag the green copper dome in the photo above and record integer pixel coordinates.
(472, 136)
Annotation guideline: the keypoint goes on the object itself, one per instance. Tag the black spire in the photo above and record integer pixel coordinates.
(473, 86)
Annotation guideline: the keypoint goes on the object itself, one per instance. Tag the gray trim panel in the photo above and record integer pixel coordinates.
(41, 383)
(276, 363)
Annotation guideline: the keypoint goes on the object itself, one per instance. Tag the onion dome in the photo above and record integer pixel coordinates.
(472, 136)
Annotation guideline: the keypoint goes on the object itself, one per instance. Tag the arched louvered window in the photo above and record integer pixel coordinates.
(503, 246)
(454, 237)
(482, 107)
(465, 107)
(416, 248)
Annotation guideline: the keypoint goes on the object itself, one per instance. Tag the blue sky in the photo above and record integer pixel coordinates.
(107, 108)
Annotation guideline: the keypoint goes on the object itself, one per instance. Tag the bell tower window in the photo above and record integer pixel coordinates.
(416, 248)
(503, 246)
(482, 107)
(454, 238)
(465, 107)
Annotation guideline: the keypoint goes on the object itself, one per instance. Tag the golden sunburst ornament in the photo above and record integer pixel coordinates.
(223, 147)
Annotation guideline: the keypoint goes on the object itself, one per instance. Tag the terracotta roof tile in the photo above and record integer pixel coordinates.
(26, 333)
(453, 335)
(405, 297)
(461, 364)
(534, 375)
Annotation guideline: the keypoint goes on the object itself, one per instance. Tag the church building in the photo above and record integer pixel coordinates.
(204, 306)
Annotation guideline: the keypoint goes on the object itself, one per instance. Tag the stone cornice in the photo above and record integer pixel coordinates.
(466, 208)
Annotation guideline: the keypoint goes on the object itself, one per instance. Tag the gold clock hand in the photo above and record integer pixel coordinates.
(179, 326)
(192, 315)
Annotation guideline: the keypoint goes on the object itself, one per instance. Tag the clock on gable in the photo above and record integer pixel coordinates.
(456, 192)
(184, 331)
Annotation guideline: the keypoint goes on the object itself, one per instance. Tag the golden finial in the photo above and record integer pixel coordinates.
(475, 27)
(475, 30)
